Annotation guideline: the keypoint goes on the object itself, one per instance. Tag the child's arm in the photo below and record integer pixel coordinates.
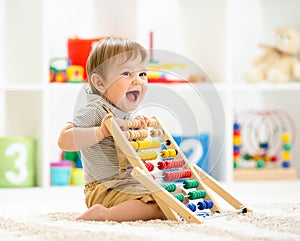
(73, 138)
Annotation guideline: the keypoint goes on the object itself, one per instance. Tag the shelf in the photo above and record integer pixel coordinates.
(30, 38)
(21, 87)
(246, 87)
(65, 86)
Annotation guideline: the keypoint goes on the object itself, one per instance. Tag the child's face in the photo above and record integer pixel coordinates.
(126, 84)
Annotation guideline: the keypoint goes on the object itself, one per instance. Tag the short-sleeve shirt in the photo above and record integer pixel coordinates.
(99, 161)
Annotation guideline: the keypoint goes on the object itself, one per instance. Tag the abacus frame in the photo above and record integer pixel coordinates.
(172, 208)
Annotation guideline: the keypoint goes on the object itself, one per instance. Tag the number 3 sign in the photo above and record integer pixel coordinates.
(17, 162)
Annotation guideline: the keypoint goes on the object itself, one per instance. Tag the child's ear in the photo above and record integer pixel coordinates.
(98, 83)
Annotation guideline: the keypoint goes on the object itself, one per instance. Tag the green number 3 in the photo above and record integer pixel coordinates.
(20, 163)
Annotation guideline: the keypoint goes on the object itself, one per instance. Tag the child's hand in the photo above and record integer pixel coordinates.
(121, 123)
(144, 121)
(103, 132)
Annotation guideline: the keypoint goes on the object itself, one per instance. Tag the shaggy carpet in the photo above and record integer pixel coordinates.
(267, 222)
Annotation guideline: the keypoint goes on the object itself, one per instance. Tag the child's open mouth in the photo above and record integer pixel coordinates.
(133, 95)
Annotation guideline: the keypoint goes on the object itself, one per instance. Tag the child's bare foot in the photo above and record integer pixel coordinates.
(96, 213)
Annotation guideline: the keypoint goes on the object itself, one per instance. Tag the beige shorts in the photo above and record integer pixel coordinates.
(113, 192)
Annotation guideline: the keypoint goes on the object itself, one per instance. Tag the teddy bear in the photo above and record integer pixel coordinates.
(279, 63)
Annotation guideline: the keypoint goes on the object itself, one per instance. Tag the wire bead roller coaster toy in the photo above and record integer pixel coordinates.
(183, 191)
(263, 138)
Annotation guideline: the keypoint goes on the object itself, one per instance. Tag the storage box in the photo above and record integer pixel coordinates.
(77, 177)
(195, 148)
(61, 173)
(17, 162)
(79, 50)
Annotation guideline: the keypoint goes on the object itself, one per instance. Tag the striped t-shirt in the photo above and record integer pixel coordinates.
(99, 161)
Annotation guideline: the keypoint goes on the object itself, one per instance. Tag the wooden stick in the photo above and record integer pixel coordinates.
(124, 144)
(216, 187)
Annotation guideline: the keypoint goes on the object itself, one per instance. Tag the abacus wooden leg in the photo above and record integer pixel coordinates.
(209, 196)
(216, 187)
(169, 213)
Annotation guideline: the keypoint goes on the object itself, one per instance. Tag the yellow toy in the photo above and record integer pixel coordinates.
(75, 73)
(279, 63)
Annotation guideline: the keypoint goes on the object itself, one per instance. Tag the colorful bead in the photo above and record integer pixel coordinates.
(236, 126)
(287, 146)
(134, 145)
(152, 123)
(170, 187)
(209, 204)
(196, 194)
(286, 137)
(191, 206)
(237, 140)
(264, 145)
(187, 184)
(149, 166)
(156, 132)
(274, 158)
(176, 175)
(168, 153)
(247, 157)
(286, 164)
(201, 205)
(147, 155)
(286, 155)
(179, 196)
(260, 164)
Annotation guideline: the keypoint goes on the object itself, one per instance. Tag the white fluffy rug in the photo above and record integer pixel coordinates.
(279, 221)
(37, 214)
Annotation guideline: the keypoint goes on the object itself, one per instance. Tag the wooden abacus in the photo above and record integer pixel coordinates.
(154, 149)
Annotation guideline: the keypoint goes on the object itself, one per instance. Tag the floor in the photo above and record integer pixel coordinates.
(71, 199)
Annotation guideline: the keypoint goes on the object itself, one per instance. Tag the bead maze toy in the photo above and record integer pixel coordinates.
(262, 145)
(183, 191)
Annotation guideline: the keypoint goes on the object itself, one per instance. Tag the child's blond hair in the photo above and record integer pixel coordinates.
(107, 49)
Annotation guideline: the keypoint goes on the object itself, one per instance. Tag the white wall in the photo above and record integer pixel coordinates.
(66, 19)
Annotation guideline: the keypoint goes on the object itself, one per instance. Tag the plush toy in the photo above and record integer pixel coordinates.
(279, 63)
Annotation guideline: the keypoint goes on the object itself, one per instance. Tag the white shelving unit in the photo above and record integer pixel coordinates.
(220, 36)
(251, 23)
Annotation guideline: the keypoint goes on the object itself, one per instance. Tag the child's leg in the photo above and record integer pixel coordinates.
(130, 210)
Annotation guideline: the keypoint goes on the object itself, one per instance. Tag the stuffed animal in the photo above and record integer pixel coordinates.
(279, 63)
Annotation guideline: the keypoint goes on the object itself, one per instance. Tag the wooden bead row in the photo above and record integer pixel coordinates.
(168, 153)
(147, 155)
(136, 124)
(156, 132)
(152, 123)
(176, 175)
(146, 144)
(164, 165)
(136, 134)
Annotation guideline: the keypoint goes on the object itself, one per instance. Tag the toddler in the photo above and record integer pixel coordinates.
(117, 76)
